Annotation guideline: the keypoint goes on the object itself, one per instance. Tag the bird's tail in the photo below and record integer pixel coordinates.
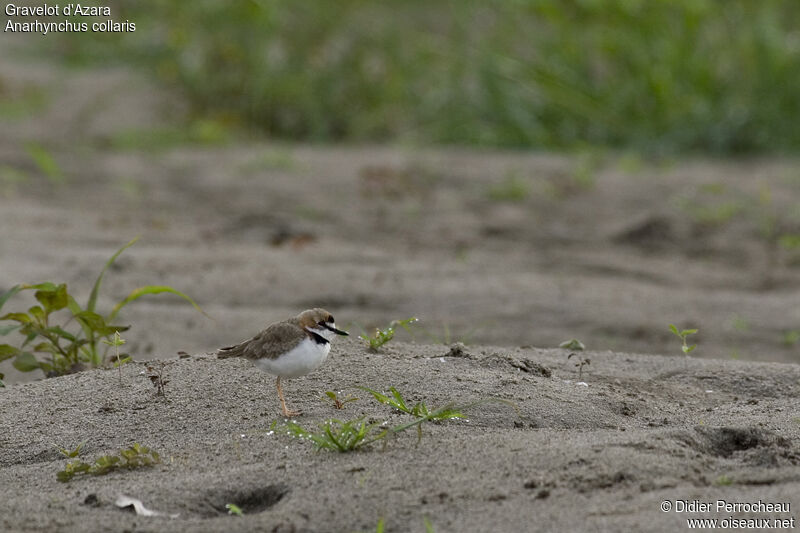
(230, 351)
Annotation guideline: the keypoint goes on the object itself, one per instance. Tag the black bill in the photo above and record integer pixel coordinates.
(333, 329)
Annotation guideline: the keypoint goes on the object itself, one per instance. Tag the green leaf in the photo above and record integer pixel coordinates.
(123, 359)
(44, 286)
(686, 332)
(38, 314)
(233, 509)
(5, 330)
(53, 300)
(674, 329)
(90, 305)
(9, 293)
(150, 289)
(22, 318)
(26, 362)
(7, 351)
(45, 162)
(687, 349)
(92, 320)
(45, 347)
(62, 333)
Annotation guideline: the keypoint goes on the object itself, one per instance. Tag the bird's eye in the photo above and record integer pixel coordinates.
(330, 319)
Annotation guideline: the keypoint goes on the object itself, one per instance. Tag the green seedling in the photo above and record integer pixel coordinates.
(573, 344)
(337, 402)
(71, 454)
(581, 362)
(682, 334)
(61, 351)
(419, 410)
(382, 336)
(116, 342)
(723, 481)
(336, 435)
(234, 509)
(137, 456)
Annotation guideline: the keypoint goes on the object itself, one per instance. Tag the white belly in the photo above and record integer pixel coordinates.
(301, 360)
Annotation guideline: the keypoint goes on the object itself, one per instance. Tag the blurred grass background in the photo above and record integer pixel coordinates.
(660, 76)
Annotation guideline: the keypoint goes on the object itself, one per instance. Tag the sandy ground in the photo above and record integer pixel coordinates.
(600, 457)
(489, 248)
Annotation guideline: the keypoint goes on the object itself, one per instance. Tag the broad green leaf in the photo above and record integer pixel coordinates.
(674, 329)
(7, 351)
(92, 320)
(53, 300)
(150, 289)
(688, 332)
(90, 305)
(22, 318)
(26, 362)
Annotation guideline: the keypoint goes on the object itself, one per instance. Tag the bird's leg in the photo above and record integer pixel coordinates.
(286, 412)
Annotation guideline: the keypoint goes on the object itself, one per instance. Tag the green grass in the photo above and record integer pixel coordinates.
(659, 75)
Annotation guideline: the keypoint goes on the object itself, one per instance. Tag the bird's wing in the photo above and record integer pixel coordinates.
(275, 340)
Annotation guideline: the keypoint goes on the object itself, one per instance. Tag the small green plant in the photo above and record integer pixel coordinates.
(382, 336)
(137, 456)
(73, 453)
(723, 481)
(116, 342)
(337, 435)
(419, 410)
(351, 435)
(580, 363)
(234, 509)
(62, 351)
(573, 344)
(682, 334)
(337, 402)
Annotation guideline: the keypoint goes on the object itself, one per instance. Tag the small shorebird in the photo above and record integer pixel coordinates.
(290, 348)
